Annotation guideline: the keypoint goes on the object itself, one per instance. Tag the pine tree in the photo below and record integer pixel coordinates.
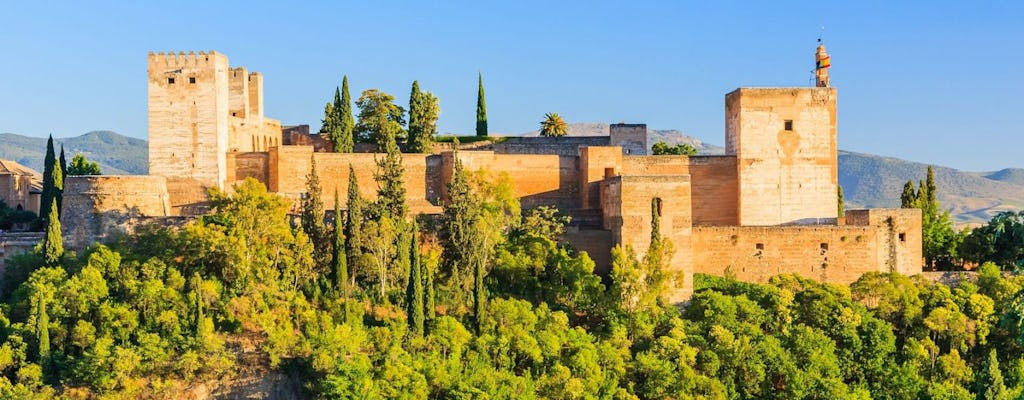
(390, 183)
(414, 292)
(481, 107)
(53, 244)
(339, 263)
(48, 187)
(353, 223)
(380, 119)
(313, 219)
(346, 123)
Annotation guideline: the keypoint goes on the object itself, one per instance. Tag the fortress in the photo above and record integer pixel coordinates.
(766, 207)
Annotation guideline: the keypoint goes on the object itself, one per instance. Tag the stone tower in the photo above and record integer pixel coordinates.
(784, 141)
(188, 116)
(822, 62)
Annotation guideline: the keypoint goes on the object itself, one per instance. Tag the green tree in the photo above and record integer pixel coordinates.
(989, 384)
(414, 291)
(459, 232)
(82, 166)
(841, 209)
(313, 219)
(63, 171)
(339, 260)
(380, 120)
(940, 242)
(683, 149)
(329, 125)
(424, 110)
(390, 183)
(553, 125)
(49, 187)
(908, 199)
(354, 220)
(53, 244)
(481, 107)
(344, 143)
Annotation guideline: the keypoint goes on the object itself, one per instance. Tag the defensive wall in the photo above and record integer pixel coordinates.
(97, 208)
(14, 243)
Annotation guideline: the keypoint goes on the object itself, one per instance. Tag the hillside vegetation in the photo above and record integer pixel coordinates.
(116, 154)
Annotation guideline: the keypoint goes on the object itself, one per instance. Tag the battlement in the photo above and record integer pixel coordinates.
(191, 60)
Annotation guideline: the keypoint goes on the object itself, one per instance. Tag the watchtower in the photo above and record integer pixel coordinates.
(188, 116)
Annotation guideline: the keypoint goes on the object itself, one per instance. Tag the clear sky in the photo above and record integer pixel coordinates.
(937, 82)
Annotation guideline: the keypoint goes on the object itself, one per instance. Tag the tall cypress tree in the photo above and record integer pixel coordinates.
(339, 263)
(415, 118)
(481, 107)
(353, 223)
(414, 291)
(346, 122)
(390, 183)
(48, 188)
(59, 183)
(313, 218)
(909, 195)
(53, 244)
(428, 292)
(42, 327)
(841, 211)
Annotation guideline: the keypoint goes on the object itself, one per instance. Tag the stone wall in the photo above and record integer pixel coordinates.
(715, 192)
(563, 146)
(247, 165)
(784, 140)
(829, 253)
(97, 208)
(14, 243)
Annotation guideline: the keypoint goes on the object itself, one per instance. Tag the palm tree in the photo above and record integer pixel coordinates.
(553, 125)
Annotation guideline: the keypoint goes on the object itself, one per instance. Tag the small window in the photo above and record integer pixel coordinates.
(824, 246)
(759, 246)
(903, 237)
(789, 124)
(192, 79)
(234, 114)
(170, 81)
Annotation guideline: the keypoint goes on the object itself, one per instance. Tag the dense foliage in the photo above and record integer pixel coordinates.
(682, 149)
(483, 302)
(82, 166)
(940, 241)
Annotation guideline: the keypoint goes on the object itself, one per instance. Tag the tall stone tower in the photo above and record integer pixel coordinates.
(784, 140)
(188, 116)
(822, 62)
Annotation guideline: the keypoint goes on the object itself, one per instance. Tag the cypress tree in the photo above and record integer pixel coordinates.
(53, 244)
(313, 218)
(655, 221)
(339, 263)
(990, 384)
(346, 122)
(58, 181)
(479, 292)
(415, 119)
(481, 107)
(353, 223)
(428, 293)
(42, 327)
(48, 192)
(390, 183)
(414, 291)
(909, 195)
(841, 211)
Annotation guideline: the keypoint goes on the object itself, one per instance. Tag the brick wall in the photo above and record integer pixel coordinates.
(98, 207)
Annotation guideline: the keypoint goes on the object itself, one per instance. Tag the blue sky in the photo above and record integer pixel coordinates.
(936, 82)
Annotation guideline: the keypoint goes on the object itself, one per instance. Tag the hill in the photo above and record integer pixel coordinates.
(116, 154)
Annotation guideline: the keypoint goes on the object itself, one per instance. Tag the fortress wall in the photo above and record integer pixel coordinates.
(187, 196)
(838, 254)
(238, 93)
(784, 140)
(537, 179)
(96, 208)
(899, 239)
(247, 165)
(631, 137)
(715, 191)
(655, 165)
(627, 204)
(289, 166)
(563, 146)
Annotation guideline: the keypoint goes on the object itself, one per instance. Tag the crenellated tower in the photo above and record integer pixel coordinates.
(188, 116)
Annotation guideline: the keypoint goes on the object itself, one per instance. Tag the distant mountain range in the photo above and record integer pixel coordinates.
(867, 180)
(116, 154)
